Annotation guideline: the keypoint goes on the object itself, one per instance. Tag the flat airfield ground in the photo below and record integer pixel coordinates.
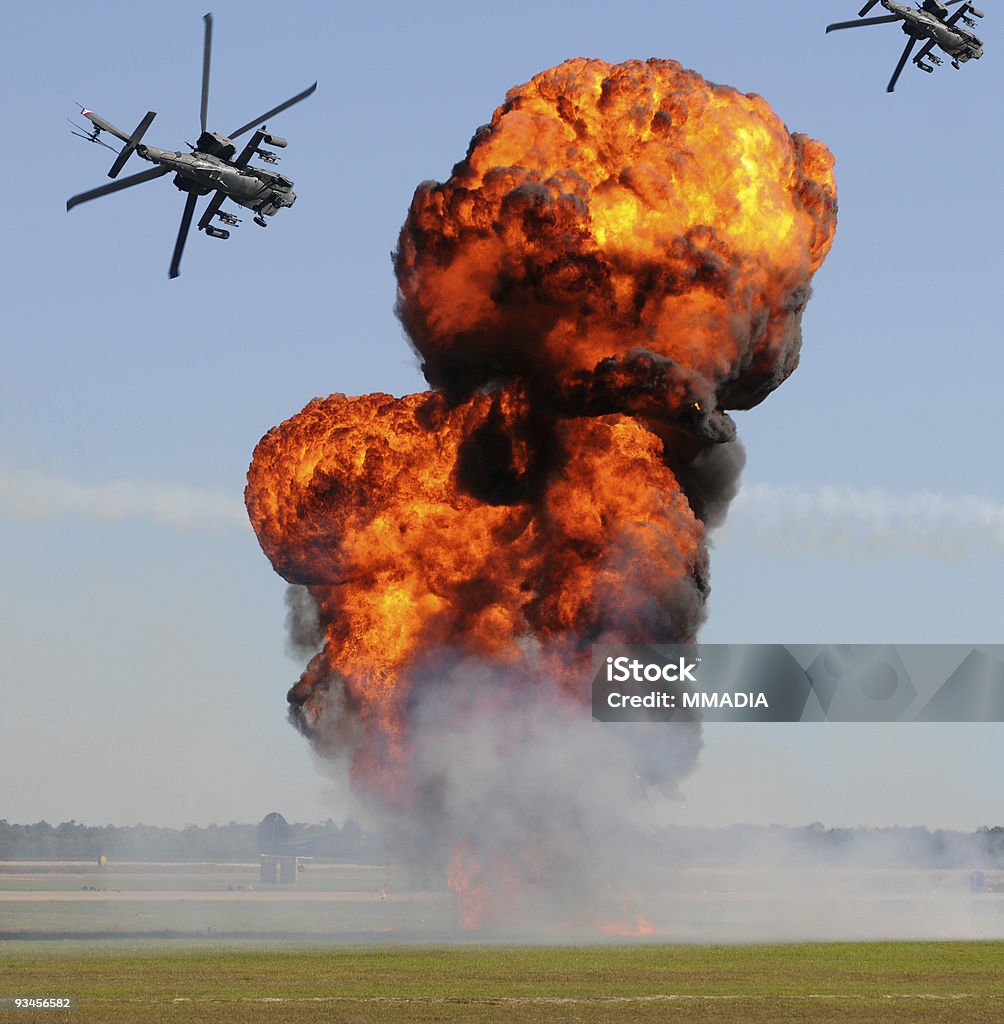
(364, 903)
(845, 982)
(145, 942)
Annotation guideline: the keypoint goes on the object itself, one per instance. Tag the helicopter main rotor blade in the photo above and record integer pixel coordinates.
(911, 43)
(867, 7)
(117, 186)
(134, 140)
(207, 48)
(186, 223)
(886, 19)
(275, 110)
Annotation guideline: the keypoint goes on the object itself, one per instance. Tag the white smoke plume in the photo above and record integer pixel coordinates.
(866, 524)
(37, 497)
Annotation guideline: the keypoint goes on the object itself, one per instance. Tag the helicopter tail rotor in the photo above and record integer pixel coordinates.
(131, 143)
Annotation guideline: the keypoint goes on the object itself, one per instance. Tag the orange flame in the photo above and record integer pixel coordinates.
(472, 892)
(624, 254)
(634, 925)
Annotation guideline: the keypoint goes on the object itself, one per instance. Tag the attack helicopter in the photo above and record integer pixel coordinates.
(931, 21)
(209, 167)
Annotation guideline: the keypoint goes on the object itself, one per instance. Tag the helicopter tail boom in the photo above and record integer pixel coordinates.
(105, 126)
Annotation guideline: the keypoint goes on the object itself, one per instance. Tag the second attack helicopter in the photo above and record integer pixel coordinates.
(211, 166)
(931, 21)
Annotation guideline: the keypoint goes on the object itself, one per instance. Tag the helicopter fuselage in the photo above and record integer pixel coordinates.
(956, 42)
(255, 188)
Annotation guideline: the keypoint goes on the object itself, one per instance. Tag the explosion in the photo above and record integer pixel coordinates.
(623, 255)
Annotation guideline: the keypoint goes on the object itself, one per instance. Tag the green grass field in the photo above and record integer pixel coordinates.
(845, 982)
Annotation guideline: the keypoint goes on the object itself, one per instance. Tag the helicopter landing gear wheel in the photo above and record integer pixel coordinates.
(260, 221)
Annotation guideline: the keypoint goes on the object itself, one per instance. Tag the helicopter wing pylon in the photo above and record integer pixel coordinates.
(925, 52)
(963, 12)
(248, 151)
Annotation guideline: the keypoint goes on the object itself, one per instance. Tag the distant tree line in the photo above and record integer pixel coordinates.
(815, 844)
(734, 845)
(920, 846)
(233, 842)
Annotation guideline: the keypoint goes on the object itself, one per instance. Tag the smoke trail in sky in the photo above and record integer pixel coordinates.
(38, 497)
(866, 524)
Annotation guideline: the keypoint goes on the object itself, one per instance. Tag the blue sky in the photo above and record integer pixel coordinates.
(141, 629)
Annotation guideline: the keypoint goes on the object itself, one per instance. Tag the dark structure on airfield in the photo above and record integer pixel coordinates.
(277, 850)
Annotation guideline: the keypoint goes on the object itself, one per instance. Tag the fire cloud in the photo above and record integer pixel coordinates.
(622, 257)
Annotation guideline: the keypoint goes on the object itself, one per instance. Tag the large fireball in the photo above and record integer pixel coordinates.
(606, 209)
(623, 255)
